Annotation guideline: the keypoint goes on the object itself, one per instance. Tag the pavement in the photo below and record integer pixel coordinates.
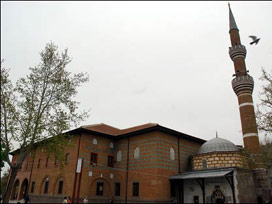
(16, 201)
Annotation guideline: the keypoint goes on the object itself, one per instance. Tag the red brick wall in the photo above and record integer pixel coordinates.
(151, 170)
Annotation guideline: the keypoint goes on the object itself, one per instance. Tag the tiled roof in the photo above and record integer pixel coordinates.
(139, 127)
(102, 128)
(109, 130)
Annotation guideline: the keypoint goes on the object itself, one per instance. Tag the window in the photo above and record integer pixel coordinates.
(26, 165)
(93, 159)
(39, 163)
(32, 187)
(135, 189)
(173, 190)
(119, 155)
(56, 161)
(95, 141)
(46, 184)
(99, 188)
(204, 163)
(46, 163)
(117, 189)
(137, 153)
(111, 145)
(172, 153)
(60, 187)
(67, 158)
(110, 161)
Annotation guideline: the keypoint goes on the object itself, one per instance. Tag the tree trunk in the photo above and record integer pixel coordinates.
(12, 177)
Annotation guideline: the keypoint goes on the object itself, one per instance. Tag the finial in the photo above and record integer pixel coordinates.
(229, 4)
(216, 134)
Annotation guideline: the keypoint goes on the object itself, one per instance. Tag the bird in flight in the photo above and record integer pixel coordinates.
(255, 39)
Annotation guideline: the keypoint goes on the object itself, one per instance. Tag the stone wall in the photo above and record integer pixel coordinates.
(218, 160)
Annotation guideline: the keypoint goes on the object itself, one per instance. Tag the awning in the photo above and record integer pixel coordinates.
(202, 174)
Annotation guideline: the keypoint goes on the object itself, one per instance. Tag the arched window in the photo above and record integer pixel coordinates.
(119, 155)
(95, 141)
(60, 186)
(15, 190)
(46, 185)
(137, 153)
(111, 145)
(204, 164)
(172, 153)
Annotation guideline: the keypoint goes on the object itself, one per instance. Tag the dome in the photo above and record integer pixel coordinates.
(217, 145)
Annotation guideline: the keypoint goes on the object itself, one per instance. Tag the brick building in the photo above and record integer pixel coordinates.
(131, 165)
(152, 163)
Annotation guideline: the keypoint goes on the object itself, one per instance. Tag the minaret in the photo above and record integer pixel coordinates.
(243, 85)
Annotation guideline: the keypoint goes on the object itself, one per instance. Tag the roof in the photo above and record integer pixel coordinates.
(102, 128)
(108, 131)
(115, 133)
(202, 174)
(136, 128)
(217, 145)
(112, 131)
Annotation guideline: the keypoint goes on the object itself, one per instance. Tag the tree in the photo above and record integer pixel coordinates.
(266, 153)
(264, 109)
(2, 156)
(263, 159)
(264, 118)
(4, 181)
(40, 105)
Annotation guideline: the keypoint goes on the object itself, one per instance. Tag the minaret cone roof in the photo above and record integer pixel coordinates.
(232, 22)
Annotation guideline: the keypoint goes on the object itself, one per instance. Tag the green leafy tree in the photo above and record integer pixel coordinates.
(39, 106)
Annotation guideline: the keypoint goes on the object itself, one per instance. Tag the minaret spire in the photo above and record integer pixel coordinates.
(232, 23)
(243, 85)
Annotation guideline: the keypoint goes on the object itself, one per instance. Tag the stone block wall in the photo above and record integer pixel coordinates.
(218, 160)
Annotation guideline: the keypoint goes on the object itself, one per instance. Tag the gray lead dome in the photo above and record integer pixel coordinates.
(217, 145)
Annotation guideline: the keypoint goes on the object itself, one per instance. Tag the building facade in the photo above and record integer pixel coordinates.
(131, 165)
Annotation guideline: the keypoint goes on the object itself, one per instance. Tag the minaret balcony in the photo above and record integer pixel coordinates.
(237, 51)
(243, 84)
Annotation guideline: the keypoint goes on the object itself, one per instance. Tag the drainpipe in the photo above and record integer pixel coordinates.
(127, 170)
(178, 156)
(75, 180)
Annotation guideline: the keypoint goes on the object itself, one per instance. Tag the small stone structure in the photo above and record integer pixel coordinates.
(218, 160)
(218, 153)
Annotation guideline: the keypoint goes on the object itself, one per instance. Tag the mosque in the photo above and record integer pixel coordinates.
(151, 163)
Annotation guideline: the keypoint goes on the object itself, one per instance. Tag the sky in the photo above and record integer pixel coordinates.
(162, 62)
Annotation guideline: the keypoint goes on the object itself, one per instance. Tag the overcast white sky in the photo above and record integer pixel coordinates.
(161, 62)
